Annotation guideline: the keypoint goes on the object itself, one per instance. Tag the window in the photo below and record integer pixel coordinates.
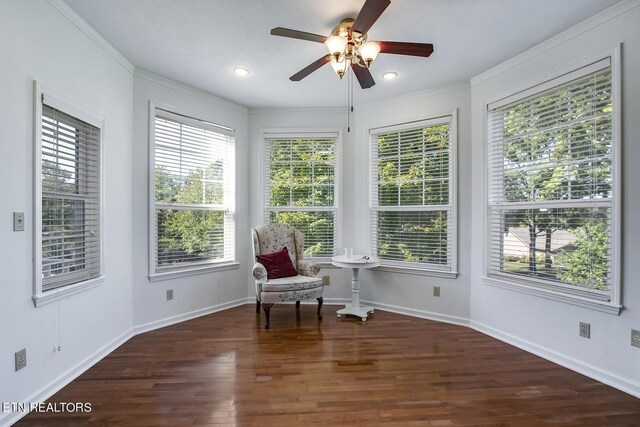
(193, 227)
(552, 183)
(68, 249)
(301, 187)
(413, 218)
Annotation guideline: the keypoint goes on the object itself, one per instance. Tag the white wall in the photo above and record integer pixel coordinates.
(410, 293)
(199, 294)
(40, 43)
(543, 326)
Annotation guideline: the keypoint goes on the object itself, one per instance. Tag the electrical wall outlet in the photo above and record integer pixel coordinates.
(635, 338)
(326, 280)
(21, 359)
(18, 221)
(436, 291)
(585, 330)
(169, 294)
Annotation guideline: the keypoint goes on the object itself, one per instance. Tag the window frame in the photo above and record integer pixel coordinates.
(415, 267)
(188, 269)
(337, 208)
(537, 287)
(61, 103)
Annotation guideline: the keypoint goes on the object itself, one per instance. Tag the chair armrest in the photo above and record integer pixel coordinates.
(308, 268)
(259, 273)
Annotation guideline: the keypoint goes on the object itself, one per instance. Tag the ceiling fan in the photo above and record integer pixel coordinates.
(348, 45)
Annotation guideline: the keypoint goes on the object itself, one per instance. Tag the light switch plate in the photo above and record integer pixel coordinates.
(18, 221)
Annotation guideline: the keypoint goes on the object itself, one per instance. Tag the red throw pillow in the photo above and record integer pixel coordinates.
(278, 264)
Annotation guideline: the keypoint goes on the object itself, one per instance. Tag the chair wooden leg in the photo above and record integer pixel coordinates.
(297, 305)
(267, 309)
(320, 300)
(257, 306)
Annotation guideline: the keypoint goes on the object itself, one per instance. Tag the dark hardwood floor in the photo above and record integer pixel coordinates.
(225, 369)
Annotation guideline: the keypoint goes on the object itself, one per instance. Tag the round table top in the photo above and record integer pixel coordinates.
(356, 261)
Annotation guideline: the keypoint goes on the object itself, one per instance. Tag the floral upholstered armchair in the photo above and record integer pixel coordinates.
(305, 285)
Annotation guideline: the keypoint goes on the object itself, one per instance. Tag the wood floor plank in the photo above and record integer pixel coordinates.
(226, 369)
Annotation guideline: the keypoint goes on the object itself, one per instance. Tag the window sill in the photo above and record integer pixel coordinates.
(417, 271)
(174, 274)
(603, 306)
(53, 295)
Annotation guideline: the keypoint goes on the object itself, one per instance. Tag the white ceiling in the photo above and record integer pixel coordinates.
(199, 42)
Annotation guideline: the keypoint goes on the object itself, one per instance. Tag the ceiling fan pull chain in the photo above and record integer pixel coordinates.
(348, 102)
(352, 73)
(349, 98)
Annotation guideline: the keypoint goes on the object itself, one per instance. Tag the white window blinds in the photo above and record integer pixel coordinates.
(194, 172)
(412, 194)
(301, 187)
(70, 186)
(551, 184)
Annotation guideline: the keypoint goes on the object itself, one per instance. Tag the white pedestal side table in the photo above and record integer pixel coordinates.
(355, 263)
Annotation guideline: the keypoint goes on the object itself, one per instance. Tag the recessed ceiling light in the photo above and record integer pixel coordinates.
(390, 75)
(241, 71)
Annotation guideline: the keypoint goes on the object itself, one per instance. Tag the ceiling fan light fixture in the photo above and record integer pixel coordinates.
(369, 51)
(241, 71)
(348, 44)
(389, 75)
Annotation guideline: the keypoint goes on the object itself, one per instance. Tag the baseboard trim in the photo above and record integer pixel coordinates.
(590, 371)
(325, 301)
(422, 314)
(336, 301)
(67, 377)
(168, 321)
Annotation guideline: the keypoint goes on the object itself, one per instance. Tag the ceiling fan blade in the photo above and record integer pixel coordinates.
(363, 75)
(295, 34)
(402, 48)
(309, 69)
(369, 14)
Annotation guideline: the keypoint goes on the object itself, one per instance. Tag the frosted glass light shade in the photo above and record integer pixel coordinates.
(338, 67)
(369, 51)
(335, 44)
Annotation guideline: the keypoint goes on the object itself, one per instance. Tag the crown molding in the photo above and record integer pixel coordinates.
(66, 11)
(399, 99)
(209, 97)
(268, 110)
(424, 93)
(575, 31)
